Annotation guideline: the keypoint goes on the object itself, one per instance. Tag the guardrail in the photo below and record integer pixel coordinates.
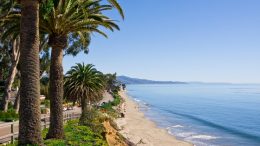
(9, 131)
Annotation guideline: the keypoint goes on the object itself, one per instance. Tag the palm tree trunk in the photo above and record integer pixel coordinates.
(84, 111)
(56, 88)
(29, 113)
(12, 73)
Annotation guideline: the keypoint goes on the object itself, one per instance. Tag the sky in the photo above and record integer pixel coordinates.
(181, 40)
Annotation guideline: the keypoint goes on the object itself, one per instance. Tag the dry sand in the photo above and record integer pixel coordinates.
(141, 131)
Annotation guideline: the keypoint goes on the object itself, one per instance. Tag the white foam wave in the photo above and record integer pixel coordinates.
(174, 126)
(137, 100)
(169, 131)
(185, 134)
(177, 126)
(202, 137)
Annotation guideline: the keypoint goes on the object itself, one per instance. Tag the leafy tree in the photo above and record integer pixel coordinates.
(84, 82)
(14, 55)
(112, 85)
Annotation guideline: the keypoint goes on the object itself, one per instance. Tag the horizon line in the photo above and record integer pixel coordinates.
(199, 82)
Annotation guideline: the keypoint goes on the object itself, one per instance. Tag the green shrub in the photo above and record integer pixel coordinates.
(108, 107)
(14, 144)
(95, 121)
(117, 100)
(43, 111)
(44, 132)
(47, 103)
(82, 135)
(77, 135)
(55, 142)
(8, 116)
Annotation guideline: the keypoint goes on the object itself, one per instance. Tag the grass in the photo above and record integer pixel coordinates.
(8, 116)
(77, 135)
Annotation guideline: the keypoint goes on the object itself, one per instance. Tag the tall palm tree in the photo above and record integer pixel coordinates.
(85, 83)
(69, 19)
(29, 113)
(64, 21)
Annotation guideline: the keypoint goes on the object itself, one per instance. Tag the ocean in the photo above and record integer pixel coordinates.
(204, 114)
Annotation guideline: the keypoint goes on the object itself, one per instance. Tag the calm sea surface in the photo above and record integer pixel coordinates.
(204, 114)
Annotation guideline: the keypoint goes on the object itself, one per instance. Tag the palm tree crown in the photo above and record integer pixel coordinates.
(85, 83)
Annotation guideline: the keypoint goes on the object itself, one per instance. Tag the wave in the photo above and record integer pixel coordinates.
(171, 127)
(199, 143)
(190, 135)
(137, 100)
(142, 103)
(217, 126)
(204, 137)
(185, 134)
(177, 126)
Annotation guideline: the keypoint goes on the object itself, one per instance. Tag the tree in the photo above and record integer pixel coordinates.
(84, 82)
(61, 20)
(4, 60)
(5, 7)
(112, 85)
(124, 86)
(76, 20)
(29, 113)
(14, 55)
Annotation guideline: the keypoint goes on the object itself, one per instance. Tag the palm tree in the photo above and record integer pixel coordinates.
(69, 19)
(29, 113)
(85, 83)
(62, 20)
(5, 7)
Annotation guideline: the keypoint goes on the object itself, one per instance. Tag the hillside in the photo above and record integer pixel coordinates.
(129, 80)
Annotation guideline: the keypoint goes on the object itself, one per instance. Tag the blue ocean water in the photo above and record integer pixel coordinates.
(204, 114)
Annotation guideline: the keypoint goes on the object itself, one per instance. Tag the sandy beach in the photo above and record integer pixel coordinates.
(141, 131)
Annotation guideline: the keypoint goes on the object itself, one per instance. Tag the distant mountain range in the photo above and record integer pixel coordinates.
(129, 80)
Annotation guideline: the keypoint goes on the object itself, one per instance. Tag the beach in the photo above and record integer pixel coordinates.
(141, 131)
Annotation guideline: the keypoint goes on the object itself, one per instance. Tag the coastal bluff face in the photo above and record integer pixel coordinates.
(129, 80)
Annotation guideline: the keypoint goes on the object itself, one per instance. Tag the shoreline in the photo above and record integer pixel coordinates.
(139, 130)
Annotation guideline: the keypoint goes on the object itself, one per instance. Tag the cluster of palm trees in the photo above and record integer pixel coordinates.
(65, 26)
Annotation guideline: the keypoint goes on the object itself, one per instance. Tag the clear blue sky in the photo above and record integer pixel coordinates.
(183, 40)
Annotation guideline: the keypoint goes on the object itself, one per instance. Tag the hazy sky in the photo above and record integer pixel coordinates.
(183, 40)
